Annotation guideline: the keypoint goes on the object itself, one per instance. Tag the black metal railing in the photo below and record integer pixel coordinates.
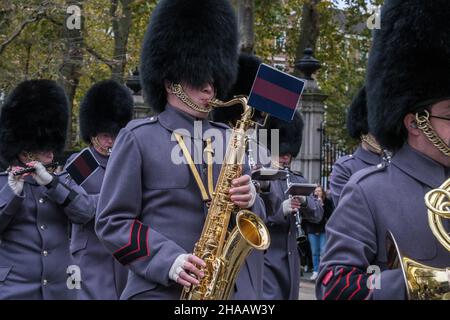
(329, 153)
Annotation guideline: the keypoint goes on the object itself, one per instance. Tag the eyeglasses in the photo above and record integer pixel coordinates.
(437, 117)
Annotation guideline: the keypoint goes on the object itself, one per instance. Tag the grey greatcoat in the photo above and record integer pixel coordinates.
(150, 208)
(34, 237)
(389, 197)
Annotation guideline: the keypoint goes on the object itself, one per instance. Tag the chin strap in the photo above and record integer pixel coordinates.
(423, 123)
(178, 90)
(101, 149)
(30, 156)
(367, 138)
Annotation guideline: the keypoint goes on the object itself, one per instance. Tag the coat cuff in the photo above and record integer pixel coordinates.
(59, 193)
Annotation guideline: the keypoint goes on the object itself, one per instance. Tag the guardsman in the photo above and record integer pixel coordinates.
(282, 260)
(36, 207)
(408, 94)
(106, 108)
(152, 205)
(368, 153)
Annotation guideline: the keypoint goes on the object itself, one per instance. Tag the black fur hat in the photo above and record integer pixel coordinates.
(357, 116)
(106, 107)
(408, 65)
(291, 134)
(34, 118)
(192, 41)
(247, 69)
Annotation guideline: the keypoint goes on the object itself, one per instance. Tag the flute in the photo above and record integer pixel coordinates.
(32, 169)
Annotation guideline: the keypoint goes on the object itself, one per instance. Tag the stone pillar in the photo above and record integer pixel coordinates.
(312, 108)
(140, 110)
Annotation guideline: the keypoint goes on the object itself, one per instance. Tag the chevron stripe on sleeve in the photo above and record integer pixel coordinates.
(345, 283)
(137, 246)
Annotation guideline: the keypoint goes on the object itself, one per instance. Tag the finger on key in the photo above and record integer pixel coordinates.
(186, 277)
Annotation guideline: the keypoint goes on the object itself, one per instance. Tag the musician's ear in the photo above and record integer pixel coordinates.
(167, 85)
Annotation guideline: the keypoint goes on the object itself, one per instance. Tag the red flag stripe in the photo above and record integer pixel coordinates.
(83, 167)
(275, 93)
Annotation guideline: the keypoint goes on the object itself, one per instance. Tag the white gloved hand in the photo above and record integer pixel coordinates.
(184, 269)
(243, 192)
(15, 183)
(41, 175)
(253, 195)
(177, 267)
(301, 199)
(287, 207)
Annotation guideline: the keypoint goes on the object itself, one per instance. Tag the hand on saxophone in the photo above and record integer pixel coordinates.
(242, 192)
(185, 270)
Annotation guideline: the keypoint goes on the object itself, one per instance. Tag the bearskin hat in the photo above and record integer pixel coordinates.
(34, 117)
(357, 116)
(190, 41)
(290, 134)
(106, 107)
(408, 66)
(248, 65)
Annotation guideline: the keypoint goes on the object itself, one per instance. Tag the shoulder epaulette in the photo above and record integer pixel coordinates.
(136, 123)
(366, 172)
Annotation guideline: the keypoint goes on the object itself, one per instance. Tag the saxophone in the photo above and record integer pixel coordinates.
(224, 252)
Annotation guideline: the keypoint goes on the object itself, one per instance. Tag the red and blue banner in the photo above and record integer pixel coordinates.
(276, 92)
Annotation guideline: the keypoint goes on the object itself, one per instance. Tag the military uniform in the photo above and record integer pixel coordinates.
(150, 209)
(34, 237)
(106, 108)
(346, 166)
(102, 276)
(282, 260)
(36, 210)
(388, 197)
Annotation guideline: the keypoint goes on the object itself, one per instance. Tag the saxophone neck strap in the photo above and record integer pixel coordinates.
(206, 195)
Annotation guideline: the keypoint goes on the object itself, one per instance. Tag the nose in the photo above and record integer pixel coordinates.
(208, 88)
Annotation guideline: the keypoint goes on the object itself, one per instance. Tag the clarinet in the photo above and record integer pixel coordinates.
(32, 169)
(300, 234)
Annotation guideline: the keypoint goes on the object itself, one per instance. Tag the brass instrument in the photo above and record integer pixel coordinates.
(425, 282)
(106, 151)
(224, 252)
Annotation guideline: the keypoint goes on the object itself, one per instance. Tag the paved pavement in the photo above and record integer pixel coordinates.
(307, 288)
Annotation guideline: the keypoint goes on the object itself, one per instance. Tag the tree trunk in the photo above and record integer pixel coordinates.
(71, 67)
(121, 23)
(309, 29)
(246, 9)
